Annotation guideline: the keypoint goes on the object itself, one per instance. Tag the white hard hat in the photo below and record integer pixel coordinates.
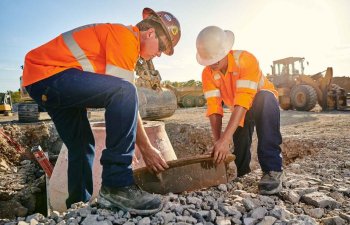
(213, 44)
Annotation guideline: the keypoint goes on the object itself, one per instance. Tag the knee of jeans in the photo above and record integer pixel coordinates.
(130, 92)
(268, 95)
(130, 89)
(125, 89)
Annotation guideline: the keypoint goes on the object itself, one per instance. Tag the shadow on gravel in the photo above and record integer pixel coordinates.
(294, 117)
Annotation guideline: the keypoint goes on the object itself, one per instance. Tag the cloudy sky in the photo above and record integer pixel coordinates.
(318, 30)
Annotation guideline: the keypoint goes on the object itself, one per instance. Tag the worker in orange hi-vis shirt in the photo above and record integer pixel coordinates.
(93, 67)
(233, 77)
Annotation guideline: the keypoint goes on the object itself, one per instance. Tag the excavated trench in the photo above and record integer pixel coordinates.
(23, 189)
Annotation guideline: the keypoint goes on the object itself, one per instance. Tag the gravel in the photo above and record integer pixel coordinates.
(316, 187)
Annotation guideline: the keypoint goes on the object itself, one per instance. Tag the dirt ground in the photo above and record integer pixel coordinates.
(189, 132)
(320, 137)
(303, 132)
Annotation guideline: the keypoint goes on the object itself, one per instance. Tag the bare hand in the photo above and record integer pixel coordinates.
(154, 160)
(221, 149)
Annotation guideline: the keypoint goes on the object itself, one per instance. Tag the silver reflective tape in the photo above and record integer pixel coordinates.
(213, 93)
(77, 52)
(262, 81)
(120, 72)
(247, 84)
(128, 27)
(83, 27)
(236, 55)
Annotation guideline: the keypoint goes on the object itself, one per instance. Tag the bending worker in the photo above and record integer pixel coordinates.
(235, 78)
(93, 67)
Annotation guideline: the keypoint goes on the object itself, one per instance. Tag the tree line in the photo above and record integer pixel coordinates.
(190, 83)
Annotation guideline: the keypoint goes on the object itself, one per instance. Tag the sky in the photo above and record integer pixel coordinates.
(318, 30)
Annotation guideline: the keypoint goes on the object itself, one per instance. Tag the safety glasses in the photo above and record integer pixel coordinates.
(161, 44)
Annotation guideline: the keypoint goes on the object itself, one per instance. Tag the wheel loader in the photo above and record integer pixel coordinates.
(155, 102)
(301, 92)
(189, 96)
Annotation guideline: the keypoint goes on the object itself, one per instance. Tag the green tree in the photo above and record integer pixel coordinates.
(189, 83)
(16, 96)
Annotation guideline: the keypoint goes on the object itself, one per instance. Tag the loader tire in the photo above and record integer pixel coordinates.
(303, 97)
(200, 101)
(28, 112)
(284, 102)
(188, 101)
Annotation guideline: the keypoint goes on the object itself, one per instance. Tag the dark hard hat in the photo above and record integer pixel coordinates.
(170, 24)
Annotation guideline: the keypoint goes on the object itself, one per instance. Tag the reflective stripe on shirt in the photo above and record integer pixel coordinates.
(236, 55)
(262, 81)
(120, 72)
(213, 93)
(247, 84)
(86, 65)
(75, 49)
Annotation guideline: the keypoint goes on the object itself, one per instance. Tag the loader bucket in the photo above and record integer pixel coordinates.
(324, 86)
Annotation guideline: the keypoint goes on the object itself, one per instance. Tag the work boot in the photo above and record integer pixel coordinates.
(131, 199)
(271, 183)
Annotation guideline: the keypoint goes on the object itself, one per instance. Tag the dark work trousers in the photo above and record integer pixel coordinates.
(265, 115)
(66, 96)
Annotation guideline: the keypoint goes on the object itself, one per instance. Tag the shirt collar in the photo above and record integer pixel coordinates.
(230, 62)
(137, 36)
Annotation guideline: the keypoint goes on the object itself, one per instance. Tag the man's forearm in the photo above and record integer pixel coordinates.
(216, 125)
(141, 137)
(236, 116)
(152, 156)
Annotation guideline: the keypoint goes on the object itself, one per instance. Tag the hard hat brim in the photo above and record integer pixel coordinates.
(147, 12)
(230, 39)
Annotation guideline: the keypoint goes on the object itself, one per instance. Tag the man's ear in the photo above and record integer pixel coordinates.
(151, 32)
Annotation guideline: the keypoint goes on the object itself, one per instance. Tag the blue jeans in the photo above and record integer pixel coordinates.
(66, 96)
(265, 116)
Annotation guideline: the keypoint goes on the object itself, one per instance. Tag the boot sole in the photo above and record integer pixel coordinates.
(105, 203)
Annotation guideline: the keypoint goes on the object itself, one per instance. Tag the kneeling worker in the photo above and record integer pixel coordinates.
(93, 67)
(235, 78)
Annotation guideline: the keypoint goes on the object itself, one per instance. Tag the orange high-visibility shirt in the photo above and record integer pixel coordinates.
(243, 79)
(111, 49)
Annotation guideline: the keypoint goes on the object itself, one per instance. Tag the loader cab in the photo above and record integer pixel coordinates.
(284, 71)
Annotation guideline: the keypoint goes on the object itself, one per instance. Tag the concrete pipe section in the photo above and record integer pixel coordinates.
(58, 190)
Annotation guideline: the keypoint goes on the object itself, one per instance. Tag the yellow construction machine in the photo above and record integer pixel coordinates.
(5, 103)
(301, 92)
(189, 96)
